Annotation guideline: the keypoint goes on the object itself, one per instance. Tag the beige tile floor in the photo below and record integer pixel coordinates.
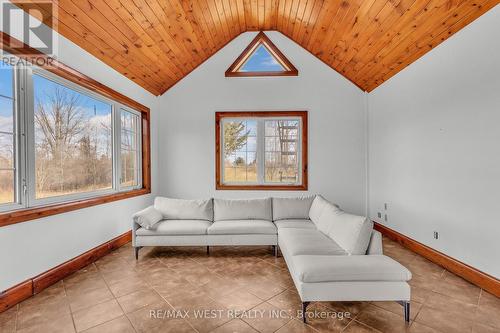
(238, 289)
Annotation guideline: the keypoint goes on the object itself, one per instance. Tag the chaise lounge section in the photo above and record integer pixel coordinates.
(330, 254)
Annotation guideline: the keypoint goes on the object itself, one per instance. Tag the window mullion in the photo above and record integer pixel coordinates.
(117, 146)
(138, 154)
(21, 137)
(29, 135)
(261, 155)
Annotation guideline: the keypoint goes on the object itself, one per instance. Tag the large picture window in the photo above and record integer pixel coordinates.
(261, 150)
(73, 141)
(65, 146)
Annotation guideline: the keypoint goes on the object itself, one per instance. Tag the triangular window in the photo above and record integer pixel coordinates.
(262, 58)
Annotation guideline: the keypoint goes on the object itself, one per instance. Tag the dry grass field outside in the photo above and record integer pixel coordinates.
(249, 174)
(8, 197)
(5, 196)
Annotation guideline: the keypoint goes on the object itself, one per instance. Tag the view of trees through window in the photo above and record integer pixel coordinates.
(73, 141)
(61, 141)
(281, 163)
(280, 151)
(240, 151)
(7, 137)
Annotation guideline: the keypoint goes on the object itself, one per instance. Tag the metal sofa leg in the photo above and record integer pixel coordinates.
(304, 309)
(136, 250)
(208, 249)
(406, 310)
(275, 250)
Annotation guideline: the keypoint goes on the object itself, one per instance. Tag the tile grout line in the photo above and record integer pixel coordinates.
(69, 305)
(104, 301)
(17, 316)
(116, 300)
(166, 301)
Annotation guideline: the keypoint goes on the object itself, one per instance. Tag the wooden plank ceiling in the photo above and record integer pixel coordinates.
(157, 42)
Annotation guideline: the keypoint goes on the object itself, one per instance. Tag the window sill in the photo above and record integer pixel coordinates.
(22, 215)
(261, 187)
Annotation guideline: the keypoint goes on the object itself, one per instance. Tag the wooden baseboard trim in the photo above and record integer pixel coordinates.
(30, 287)
(16, 294)
(469, 273)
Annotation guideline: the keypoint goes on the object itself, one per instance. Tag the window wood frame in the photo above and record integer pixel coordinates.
(261, 38)
(29, 54)
(219, 116)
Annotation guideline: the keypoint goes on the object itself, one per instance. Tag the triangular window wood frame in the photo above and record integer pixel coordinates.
(261, 39)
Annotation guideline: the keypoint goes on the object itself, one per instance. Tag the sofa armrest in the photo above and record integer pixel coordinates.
(375, 245)
(135, 226)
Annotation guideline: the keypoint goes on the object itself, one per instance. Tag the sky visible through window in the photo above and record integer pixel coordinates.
(95, 114)
(46, 89)
(6, 98)
(261, 60)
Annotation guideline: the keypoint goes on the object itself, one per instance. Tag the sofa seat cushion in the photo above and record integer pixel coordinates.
(349, 268)
(242, 227)
(307, 242)
(295, 223)
(176, 227)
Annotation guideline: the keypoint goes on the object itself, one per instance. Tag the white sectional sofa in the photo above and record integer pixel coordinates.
(331, 255)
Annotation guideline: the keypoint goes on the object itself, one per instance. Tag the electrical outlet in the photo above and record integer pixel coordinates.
(379, 214)
(385, 206)
(385, 217)
(436, 235)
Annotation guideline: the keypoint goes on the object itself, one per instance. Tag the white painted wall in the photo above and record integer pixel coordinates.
(336, 124)
(29, 248)
(434, 152)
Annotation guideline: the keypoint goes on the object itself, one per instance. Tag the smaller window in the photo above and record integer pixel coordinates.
(261, 150)
(130, 150)
(262, 58)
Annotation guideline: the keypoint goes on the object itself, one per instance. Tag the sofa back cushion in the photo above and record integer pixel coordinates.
(180, 209)
(351, 232)
(327, 218)
(242, 209)
(291, 208)
(317, 207)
